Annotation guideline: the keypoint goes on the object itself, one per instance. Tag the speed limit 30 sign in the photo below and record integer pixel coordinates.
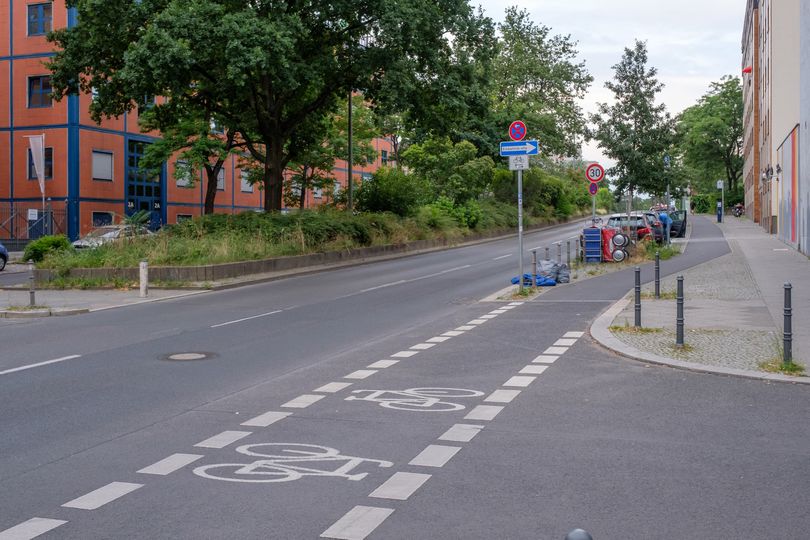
(595, 173)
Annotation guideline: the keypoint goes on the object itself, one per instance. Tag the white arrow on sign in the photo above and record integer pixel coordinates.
(519, 148)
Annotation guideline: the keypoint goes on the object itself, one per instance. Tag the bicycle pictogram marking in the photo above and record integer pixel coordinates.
(417, 399)
(287, 462)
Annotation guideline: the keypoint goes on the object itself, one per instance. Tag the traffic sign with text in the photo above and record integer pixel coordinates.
(520, 148)
(518, 163)
(595, 172)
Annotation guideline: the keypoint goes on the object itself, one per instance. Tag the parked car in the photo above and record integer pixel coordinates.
(657, 226)
(638, 223)
(678, 229)
(3, 257)
(109, 233)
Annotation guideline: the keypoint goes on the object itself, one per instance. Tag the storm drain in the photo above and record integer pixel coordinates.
(188, 356)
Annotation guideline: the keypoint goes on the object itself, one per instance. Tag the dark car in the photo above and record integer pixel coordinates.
(657, 226)
(3, 257)
(678, 229)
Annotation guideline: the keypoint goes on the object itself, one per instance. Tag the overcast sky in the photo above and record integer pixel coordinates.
(691, 42)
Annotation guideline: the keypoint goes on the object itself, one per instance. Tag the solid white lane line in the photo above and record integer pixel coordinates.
(483, 412)
(31, 528)
(545, 359)
(438, 339)
(489, 316)
(519, 382)
(502, 396)
(574, 334)
(400, 486)
(357, 523)
(32, 366)
(223, 439)
(333, 387)
(556, 350)
(266, 419)
(565, 342)
(423, 346)
(360, 374)
(404, 354)
(533, 370)
(475, 322)
(453, 333)
(170, 464)
(461, 433)
(464, 328)
(498, 311)
(435, 455)
(303, 401)
(247, 319)
(382, 364)
(502, 257)
(103, 495)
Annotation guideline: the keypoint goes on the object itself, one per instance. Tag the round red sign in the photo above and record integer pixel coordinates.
(593, 188)
(595, 172)
(517, 130)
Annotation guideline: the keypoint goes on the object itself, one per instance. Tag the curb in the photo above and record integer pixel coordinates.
(39, 313)
(600, 332)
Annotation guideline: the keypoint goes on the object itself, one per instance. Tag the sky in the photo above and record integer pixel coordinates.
(690, 42)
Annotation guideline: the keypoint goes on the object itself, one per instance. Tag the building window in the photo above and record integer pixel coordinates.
(184, 176)
(147, 103)
(32, 171)
(317, 192)
(102, 166)
(102, 219)
(39, 91)
(247, 187)
(384, 157)
(184, 217)
(221, 180)
(40, 18)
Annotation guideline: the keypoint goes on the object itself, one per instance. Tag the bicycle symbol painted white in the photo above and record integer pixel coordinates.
(287, 462)
(417, 399)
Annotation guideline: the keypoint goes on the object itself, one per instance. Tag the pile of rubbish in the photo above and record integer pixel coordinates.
(548, 274)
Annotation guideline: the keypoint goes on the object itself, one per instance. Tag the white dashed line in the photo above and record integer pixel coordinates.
(497, 311)
(223, 439)
(461, 433)
(303, 401)
(103, 495)
(382, 364)
(489, 316)
(519, 382)
(516, 304)
(357, 523)
(564, 342)
(502, 396)
(435, 455)
(453, 333)
(266, 419)
(170, 464)
(246, 319)
(400, 486)
(464, 328)
(556, 350)
(545, 359)
(483, 412)
(507, 308)
(475, 322)
(533, 370)
(423, 346)
(404, 354)
(502, 257)
(438, 339)
(574, 334)
(333, 387)
(32, 366)
(31, 528)
(361, 374)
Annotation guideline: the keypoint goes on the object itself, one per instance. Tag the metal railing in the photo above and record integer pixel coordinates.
(24, 221)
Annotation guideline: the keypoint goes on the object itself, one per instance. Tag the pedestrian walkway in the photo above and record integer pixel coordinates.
(733, 307)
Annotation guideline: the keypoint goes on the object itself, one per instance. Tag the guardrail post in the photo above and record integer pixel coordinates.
(657, 275)
(679, 316)
(788, 327)
(32, 300)
(534, 268)
(144, 279)
(638, 297)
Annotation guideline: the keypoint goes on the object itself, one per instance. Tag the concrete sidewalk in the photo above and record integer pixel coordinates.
(733, 309)
(13, 303)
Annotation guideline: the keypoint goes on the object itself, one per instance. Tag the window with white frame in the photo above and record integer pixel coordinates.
(247, 187)
(102, 165)
(221, 180)
(317, 192)
(183, 175)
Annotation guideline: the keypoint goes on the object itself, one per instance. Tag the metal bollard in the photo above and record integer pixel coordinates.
(547, 253)
(657, 275)
(638, 297)
(32, 300)
(788, 329)
(559, 252)
(534, 268)
(144, 279)
(679, 315)
(578, 534)
(568, 252)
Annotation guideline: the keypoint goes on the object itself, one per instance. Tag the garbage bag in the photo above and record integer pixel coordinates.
(527, 280)
(547, 269)
(564, 274)
(546, 282)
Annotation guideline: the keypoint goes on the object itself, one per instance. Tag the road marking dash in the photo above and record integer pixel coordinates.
(435, 455)
(438, 339)
(502, 396)
(31, 528)
(333, 387)
(266, 419)
(223, 439)
(453, 333)
(103, 495)
(519, 382)
(400, 486)
(461, 433)
(574, 334)
(357, 523)
(247, 319)
(423, 346)
(382, 364)
(507, 308)
(404, 354)
(516, 304)
(488, 316)
(498, 311)
(303, 401)
(556, 350)
(360, 374)
(502, 257)
(170, 464)
(476, 322)
(39, 364)
(465, 328)
(565, 342)
(545, 359)
(533, 370)
(483, 412)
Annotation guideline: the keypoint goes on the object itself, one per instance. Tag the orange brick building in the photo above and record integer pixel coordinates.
(92, 174)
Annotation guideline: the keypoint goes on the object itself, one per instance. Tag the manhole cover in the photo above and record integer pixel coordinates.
(188, 356)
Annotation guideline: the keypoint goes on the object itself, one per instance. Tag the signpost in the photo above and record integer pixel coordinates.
(595, 173)
(721, 208)
(518, 152)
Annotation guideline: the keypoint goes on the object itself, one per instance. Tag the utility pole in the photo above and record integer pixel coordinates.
(351, 158)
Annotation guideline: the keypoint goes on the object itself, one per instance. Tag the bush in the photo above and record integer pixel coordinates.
(704, 204)
(391, 190)
(36, 250)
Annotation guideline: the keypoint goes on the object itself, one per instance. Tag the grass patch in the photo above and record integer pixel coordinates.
(26, 308)
(634, 330)
(61, 283)
(665, 295)
(665, 252)
(776, 365)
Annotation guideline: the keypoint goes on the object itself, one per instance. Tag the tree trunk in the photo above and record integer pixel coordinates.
(273, 176)
(303, 199)
(211, 188)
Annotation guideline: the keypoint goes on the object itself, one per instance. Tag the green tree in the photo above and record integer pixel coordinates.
(452, 170)
(634, 131)
(711, 134)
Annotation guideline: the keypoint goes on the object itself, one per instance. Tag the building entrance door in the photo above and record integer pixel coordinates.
(144, 191)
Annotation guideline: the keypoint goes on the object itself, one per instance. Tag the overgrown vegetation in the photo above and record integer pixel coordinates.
(39, 248)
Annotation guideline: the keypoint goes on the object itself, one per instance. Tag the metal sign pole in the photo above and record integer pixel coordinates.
(593, 208)
(520, 227)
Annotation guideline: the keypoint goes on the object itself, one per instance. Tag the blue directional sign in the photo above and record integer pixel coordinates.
(519, 148)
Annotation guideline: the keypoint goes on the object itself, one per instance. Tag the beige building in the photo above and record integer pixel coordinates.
(751, 113)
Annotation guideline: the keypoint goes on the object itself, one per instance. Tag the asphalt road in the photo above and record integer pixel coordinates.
(310, 416)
